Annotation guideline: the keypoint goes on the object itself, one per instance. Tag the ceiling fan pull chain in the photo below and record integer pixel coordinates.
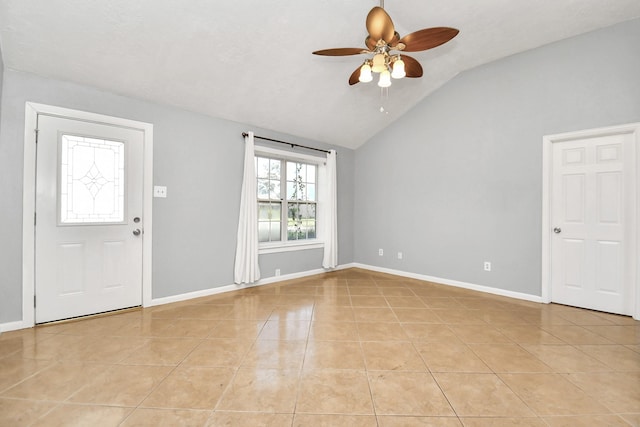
(384, 95)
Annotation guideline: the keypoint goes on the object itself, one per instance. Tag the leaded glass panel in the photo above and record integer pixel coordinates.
(92, 180)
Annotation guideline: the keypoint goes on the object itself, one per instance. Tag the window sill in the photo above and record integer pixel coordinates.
(289, 247)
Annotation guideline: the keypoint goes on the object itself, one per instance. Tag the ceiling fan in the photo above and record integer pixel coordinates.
(382, 40)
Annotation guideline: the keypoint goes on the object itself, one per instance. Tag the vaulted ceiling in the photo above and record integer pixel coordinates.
(250, 61)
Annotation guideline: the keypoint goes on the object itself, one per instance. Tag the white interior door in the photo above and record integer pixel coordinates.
(89, 198)
(592, 217)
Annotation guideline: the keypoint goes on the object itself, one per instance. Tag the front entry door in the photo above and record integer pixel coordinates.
(89, 198)
(592, 216)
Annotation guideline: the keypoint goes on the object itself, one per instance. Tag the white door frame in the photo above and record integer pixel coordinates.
(547, 170)
(29, 197)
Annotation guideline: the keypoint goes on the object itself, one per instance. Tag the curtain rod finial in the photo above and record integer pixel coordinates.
(245, 134)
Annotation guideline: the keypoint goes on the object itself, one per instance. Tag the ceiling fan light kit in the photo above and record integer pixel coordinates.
(365, 73)
(385, 79)
(382, 39)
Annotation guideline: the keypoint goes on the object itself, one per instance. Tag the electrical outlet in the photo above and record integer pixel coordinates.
(159, 191)
(380, 252)
(277, 271)
(399, 255)
(487, 266)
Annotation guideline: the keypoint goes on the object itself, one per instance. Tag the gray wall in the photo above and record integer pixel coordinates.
(1, 79)
(458, 180)
(198, 158)
(6, 213)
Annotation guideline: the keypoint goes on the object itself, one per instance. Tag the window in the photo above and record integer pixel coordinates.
(92, 183)
(287, 199)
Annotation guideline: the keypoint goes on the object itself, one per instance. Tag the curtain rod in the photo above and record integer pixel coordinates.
(287, 143)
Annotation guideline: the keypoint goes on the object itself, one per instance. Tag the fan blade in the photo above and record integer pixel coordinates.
(380, 25)
(355, 77)
(411, 66)
(428, 38)
(396, 38)
(370, 43)
(343, 51)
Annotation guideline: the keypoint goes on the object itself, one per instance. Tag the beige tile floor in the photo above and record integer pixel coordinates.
(352, 348)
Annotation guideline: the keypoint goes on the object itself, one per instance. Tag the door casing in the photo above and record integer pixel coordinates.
(547, 171)
(32, 110)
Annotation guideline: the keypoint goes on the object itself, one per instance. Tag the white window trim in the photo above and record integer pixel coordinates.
(275, 247)
(317, 243)
(288, 155)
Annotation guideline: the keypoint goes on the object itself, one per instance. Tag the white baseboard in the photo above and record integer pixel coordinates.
(234, 287)
(13, 326)
(465, 285)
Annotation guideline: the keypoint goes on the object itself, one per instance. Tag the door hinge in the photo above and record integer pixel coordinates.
(34, 301)
(34, 218)
(37, 131)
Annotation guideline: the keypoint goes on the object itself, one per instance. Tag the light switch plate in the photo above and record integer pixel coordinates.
(159, 191)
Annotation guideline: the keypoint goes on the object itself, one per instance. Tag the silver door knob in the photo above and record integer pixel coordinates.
(557, 230)
(136, 232)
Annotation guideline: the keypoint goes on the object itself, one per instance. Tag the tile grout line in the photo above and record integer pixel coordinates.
(237, 369)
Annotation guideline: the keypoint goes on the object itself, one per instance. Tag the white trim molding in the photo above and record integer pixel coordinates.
(275, 279)
(271, 248)
(13, 326)
(449, 282)
(230, 288)
(32, 110)
(547, 171)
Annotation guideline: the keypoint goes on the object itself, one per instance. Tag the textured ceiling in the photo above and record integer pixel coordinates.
(250, 61)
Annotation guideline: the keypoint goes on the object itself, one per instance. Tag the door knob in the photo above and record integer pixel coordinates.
(136, 232)
(557, 230)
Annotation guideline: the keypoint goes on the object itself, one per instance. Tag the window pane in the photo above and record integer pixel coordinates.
(310, 211)
(275, 231)
(296, 190)
(309, 220)
(263, 168)
(291, 171)
(264, 210)
(269, 221)
(311, 192)
(301, 181)
(311, 230)
(301, 221)
(274, 190)
(263, 188)
(303, 207)
(269, 211)
(263, 231)
(275, 212)
(91, 180)
(294, 212)
(292, 234)
(274, 169)
(301, 172)
(290, 191)
(293, 222)
(311, 173)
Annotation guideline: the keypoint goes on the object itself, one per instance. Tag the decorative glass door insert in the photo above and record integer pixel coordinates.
(92, 180)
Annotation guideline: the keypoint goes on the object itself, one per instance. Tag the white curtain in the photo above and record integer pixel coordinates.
(246, 268)
(330, 223)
